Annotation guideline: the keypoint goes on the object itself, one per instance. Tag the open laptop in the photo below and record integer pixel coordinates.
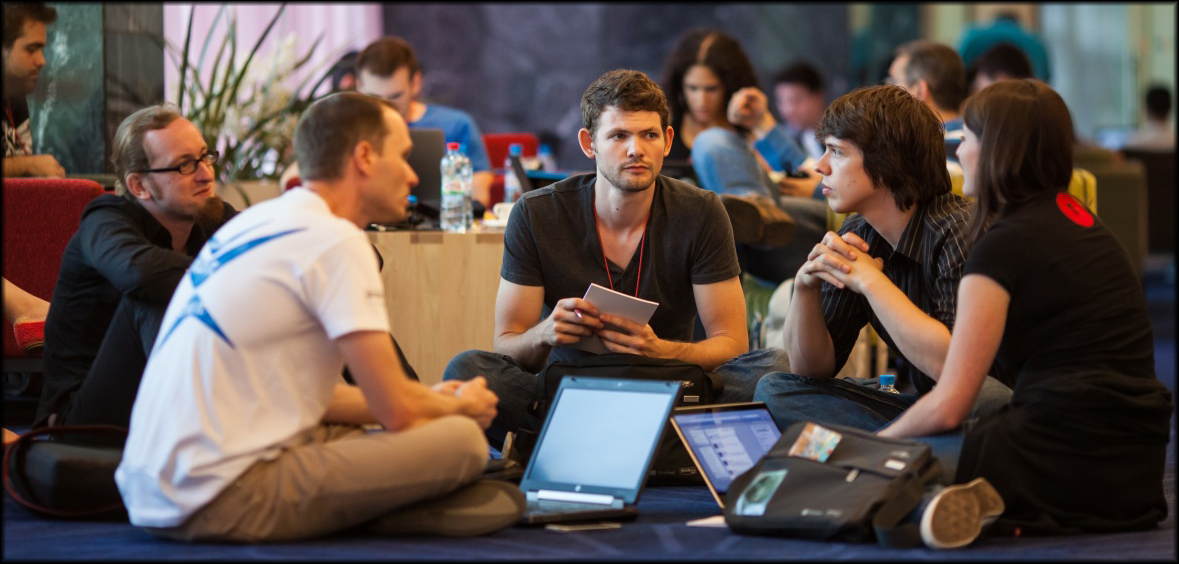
(594, 451)
(725, 440)
(429, 145)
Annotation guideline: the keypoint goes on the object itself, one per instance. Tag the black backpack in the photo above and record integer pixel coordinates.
(672, 465)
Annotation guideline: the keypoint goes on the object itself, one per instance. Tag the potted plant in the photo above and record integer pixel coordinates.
(244, 108)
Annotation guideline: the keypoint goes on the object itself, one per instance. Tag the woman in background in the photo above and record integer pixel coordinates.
(723, 126)
(1048, 292)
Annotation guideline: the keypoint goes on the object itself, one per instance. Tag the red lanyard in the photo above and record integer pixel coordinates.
(15, 130)
(643, 239)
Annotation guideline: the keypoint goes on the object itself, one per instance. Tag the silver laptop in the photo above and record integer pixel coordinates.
(725, 440)
(595, 448)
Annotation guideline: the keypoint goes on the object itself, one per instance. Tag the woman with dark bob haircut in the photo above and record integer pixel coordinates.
(1048, 292)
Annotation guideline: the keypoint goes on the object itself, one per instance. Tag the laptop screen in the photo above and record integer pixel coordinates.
(600, 438)
(727, 443)
(429, 145)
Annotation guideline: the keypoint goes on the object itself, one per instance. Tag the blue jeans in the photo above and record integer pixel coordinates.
(517, 387)
(858, 402)
(725, 164)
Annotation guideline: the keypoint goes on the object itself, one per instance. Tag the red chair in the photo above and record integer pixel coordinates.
(40, 217)
(497, 152)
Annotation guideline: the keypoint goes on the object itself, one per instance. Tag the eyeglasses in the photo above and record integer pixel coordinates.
(189, 166)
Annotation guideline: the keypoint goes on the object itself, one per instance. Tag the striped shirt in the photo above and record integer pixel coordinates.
(926, 266)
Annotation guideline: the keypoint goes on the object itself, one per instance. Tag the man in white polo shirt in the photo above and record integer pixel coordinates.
(243, 429)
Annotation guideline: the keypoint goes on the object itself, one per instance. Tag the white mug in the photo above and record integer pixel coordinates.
(502, 210)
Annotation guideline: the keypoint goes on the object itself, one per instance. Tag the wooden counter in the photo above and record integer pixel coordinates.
(440, 291)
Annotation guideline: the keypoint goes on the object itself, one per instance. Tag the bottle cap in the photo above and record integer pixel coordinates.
(888, 379)
(452, 146)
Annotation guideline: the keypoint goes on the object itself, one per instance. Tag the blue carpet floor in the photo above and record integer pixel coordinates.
(660, 532)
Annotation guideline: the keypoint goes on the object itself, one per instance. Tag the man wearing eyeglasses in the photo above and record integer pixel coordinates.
(120, 269)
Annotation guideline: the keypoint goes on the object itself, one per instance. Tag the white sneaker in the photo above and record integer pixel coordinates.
(955, 516)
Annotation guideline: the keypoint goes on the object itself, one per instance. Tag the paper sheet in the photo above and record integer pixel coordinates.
(610, 302)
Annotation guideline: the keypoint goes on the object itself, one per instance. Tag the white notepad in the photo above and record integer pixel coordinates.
(610, 302)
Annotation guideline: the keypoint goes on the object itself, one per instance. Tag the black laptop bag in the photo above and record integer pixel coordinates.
(672, 465)
(863, 491)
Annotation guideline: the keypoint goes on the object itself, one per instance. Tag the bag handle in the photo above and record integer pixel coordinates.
(887, 523)
(26, 439)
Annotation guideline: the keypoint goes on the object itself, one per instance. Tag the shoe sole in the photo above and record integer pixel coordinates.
(955, 516)
(745, 219)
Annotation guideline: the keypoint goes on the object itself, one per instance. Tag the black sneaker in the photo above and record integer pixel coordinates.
(757, 220)
(955, 516)
(480, 508)
(745, 218)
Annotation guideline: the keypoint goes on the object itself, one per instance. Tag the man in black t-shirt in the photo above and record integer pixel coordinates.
(895, 264)
(626, 228)
(24, 45)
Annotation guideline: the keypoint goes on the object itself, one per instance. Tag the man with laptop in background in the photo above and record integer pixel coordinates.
(388, 68)
(627, 228)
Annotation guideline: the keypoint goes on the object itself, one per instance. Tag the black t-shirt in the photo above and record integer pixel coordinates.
(552, 241)
(1082, 445)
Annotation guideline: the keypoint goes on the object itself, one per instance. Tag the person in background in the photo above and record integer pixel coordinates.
(801, 97)
(388, 68)
(243, 430)
(24, 57)
(1083, 444)
(1156, 132)
(1005, 28)
(1004, 61)
(724, 126)
(934, 73)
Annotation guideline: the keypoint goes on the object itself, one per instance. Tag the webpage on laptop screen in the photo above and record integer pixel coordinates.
(728, 443)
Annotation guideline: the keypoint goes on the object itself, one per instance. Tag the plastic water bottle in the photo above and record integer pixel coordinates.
(544, 154)
(456, 190)
(888, 383)
(511, 183)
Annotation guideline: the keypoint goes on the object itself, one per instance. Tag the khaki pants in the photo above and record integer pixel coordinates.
(339, 478)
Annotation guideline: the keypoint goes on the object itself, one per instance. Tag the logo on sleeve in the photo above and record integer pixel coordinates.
(1074, 210)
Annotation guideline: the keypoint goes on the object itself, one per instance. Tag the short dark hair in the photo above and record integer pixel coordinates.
(15, 15)
(1005, 58)
(718, 51)
(1025, 137)
(1158, 101)
(128, 153)
(345, 66)
(803, 74)
(901, 139)
(331, 128)
(940, 67)
(384, 56)
(627, 90)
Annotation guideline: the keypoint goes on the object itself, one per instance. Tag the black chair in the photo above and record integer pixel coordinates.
(1160, 190)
